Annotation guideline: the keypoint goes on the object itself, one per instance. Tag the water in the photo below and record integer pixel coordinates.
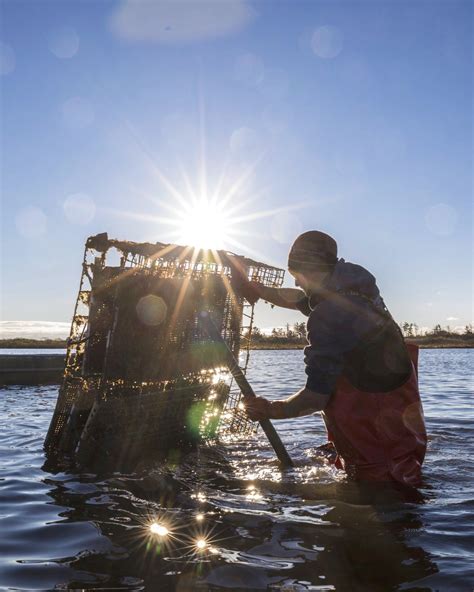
(309, 529)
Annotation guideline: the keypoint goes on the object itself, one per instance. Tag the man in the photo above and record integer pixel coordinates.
(360, 374)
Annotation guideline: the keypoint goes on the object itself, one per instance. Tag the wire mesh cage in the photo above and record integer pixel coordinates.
(141, 373)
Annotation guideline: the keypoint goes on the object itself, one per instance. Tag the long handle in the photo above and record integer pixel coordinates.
(248, 391)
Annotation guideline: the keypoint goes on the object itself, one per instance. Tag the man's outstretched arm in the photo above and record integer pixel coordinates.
(304, 402)
(283, 297)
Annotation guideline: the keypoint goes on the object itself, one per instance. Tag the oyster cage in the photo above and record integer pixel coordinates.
(141, 374)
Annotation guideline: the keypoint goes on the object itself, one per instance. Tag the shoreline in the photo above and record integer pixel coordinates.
(442, 343)
(420, 345)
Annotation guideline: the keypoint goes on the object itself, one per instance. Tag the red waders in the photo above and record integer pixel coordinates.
(379, 436)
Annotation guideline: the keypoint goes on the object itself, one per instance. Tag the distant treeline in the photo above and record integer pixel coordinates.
(24, 343)
(294, 337)
(438, 336)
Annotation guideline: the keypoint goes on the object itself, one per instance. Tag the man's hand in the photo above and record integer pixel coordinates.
(242, 286)
(284, 297)
(257, 408)
(251, 292)
(304, 402)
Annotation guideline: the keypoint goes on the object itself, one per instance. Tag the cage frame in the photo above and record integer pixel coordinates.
(80, 392)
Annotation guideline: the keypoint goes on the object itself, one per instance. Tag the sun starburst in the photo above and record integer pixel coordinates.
(203, 210)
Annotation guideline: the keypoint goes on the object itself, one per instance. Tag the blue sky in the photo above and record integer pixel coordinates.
(353, 118)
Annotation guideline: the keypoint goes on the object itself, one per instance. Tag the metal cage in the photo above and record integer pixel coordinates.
(141, 375)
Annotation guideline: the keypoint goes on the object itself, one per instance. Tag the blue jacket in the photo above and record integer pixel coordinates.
(346, 311)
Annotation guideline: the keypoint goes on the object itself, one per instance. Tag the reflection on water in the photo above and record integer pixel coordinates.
(227, 518)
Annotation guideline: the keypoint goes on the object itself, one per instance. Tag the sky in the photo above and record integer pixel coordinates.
(354, 118)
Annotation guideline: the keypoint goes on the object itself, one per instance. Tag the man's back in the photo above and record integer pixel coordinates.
(350, 332)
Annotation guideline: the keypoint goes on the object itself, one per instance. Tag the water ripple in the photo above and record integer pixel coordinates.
(234, 520)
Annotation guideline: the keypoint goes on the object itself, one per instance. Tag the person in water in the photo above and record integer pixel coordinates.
(360, 373)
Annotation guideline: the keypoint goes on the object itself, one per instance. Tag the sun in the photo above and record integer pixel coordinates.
(211, 214)
(216, 212)
(204, 224)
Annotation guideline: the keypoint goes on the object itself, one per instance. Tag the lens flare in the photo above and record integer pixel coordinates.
(204, 225)
(201, 544)
(159, 529)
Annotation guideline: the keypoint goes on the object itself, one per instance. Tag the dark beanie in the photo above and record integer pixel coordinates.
(313, 251)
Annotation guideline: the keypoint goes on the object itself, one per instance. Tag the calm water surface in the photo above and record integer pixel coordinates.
(308, 529)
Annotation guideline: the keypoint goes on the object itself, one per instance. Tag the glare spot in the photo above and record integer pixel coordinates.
(63, 43)
(31, 222)
(441, 219)
(7, 59)
(151, 310)
(327, 42)
(249, 69)
(201, 544)
(158, 529)
(199, 517)
(285, 226)
(253, 493)
(79, 208)
(77, 113)
(391, 361)
(204, 225)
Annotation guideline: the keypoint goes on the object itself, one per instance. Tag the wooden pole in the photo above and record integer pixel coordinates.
(248, 391)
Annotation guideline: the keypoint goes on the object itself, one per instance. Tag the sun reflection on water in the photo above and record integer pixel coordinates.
(159, 529)
(201, 544)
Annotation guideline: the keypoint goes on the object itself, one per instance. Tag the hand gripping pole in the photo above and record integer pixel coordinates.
(247, 390)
